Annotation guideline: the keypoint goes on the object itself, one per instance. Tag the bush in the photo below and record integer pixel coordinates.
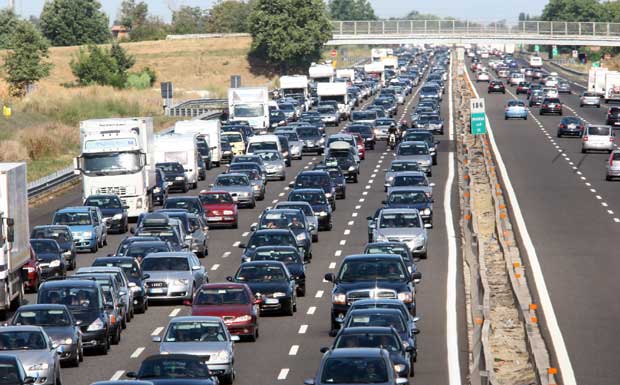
(102, 66)
(140, 81)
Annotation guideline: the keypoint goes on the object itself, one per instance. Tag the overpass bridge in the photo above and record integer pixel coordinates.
(386, 32)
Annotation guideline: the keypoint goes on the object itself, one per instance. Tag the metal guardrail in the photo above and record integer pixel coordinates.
(206, 36)
(197, 107)
(51, 181)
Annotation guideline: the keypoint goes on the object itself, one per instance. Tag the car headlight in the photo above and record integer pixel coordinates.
(181, 281)
(405, 296)
(301, 236)
(67, 341)
(117, 217)
(279, 294)
(399, 367)
(339, 299)
(243, 318)
(40, 366)
(322, 140)
(87, 234)
(255, 187)
(222, 355)
(391, 178)
(96, 325)
(328, 195)
(352, 168)
(323, 213)
(426, 211)
(157, 190)
(228, 212)
(179, 178)
(55, 263)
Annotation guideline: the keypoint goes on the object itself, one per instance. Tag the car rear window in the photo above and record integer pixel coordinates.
(616, 156)
(516, 103)
(598, 130)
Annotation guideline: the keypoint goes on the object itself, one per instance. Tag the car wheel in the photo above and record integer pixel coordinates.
(235, 225)
(607, 178)
(75, 361)
(301, 291)
(288, 310)
(95, 248)
(105, 241)
(124, 321)
(228, 379)
(559, 135)
(581, 105)
(81, 353)
(355, 179)
(583, 151)
(117, 336)
(253, 204)
(411, 370)
(315, 238)
(423, 256)
(525, 117)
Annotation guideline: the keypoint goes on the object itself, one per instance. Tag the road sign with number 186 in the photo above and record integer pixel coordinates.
(478, 117)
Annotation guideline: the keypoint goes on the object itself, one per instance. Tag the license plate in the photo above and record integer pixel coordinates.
(156, 291)
(271, 301)
(572, 126)
(214, 219)
(310, 144)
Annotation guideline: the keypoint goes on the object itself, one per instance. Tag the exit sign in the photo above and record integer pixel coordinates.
(478, 117)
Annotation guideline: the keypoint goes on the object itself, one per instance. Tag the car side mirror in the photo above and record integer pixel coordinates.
(431, 184)
(156, 339)
(122, 293)
(383, 202)
(369, 218)
(402, 381)
(146, 276)
(291, 184)
(55, 345)
(132, 230)
(416, 276)
(309, 381)
(416, 319)
(108, 306)
(131, 375)
(324, 349)
(197, 267)
(211, 185)
(253, 228)
(230, 279)
(125, 207)
(29, 380)
(242, 246)
(409, 349)
(330, 277)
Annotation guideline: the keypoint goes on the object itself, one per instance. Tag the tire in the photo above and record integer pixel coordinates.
(116, 339)
(559, 135)
(525, 118)
(228, 379)
(288, 310)
(253, 204)
(105, 240)
(355, 179)
(95, 248)
(581, 105)
(124, 321)
(253, 337)
(424, 256)
(75, 362)
(315, 238)
(583, 151)
(235, 225)
(301, 291)
(81, 354)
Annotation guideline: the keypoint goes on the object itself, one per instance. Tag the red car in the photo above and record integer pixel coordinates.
(233, 302)
(33, 272)
(220, 208)
(361, 147)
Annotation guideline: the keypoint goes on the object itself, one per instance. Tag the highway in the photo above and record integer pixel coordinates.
(573, 218)
(287, 351)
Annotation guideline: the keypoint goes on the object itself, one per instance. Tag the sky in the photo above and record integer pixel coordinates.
(475, 10)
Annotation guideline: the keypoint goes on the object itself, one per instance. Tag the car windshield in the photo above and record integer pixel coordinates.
(234, 137)
(74, 297)
(291, 136)
(388, 342)
(326, 110)
(42, 317)
(261, 274)
(418, 137)
(110, 162)
(223, 296)
(400, 220)
(360, 129)
(372, 270)
(257, 146)
(307, 210)
(404, 166)
(171, 167)
(285, 256)
(312, 181)
(388, 249)
(269, 239)
(232, 181)
(104, 202)
(59, 235)
(385, 122)
(308, 132)
(410, 180)
(599, 130)
(139, 249)
(412, 149)
(363, 115)
(72, 219)
(163, 234)
(22, 340)
(516, 103)
(195, 332)
(45, 246)
(184, 204)
(312, 198)
(377, 319)
(571, 120)
(130, 269)
(269, 156)
(165, 264)
(173, 368)
(282, 220)
(354, 370)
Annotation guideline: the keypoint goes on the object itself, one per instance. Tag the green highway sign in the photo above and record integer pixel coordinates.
(554, 51)
(596, 64)
(478, 117)
(537, 48)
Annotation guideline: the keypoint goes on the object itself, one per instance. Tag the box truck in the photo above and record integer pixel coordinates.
(14, 235)
(376, 70)
(296, 87)
(117, 158)
(596, 80)
(321, 73)
(210, 130)
(250, 104)
(180, 148)
(612, 86)
(335, 92)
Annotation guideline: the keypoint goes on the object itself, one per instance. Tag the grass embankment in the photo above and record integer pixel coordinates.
(44, 128)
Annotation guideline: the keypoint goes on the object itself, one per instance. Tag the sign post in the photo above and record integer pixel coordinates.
(334, 55)
(478, 117)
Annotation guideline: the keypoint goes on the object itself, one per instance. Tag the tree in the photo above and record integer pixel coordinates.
(289, 33)
(102, 66)
(229, 16)
(351, 10)
(132, 14)
(153, 28)
(24, 63)
(8, 22)
(415, 15)
(188, 20)
(573, 10)
(74, 22)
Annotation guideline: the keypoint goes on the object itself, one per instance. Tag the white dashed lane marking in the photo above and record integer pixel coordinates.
(175, 312)
(283, 374)
(332, 265)
(157, 331)
(303, 329)
(117, 375)
(293, 351)
(137, 352)
(311, 310)
(215, 267)
(319, 294)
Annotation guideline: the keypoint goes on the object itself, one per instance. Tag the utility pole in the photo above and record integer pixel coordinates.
(12, 6)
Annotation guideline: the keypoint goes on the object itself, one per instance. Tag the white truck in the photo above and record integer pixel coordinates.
(296, 86)
(14, 235)
(346, 73)
(321, 73)
(390, 62)
(612, 86)
(596, 80)
(117, 158)
(378, 53)
(209, 129)
(336, 92)
(376, 70)
(250, 104)
(509, 48)
(180, 148)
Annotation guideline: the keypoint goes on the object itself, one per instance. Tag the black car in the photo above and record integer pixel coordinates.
(85, 300)
(412, 198)
(613, 116)
(168, 369)
(134, 274)
(344, 159)
(175, 176)
(369, 276)
(365, 130)
(267, 237)
(276, 119)
(398, 248)
(192, 204)
(316, 179)
(271, 283)
(415, 135)
(160, 191)
(338, 179)
(551, 106)
(289, 219)
(571, 125)
(291, 257)
(62, 235)
(356, 366)
(49, 258)
(319, 202)
(496, 86)
(378, 337)
(125, 243)
(113, 211)
(13, 371)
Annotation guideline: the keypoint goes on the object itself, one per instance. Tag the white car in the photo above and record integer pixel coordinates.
(550, 92)
(483, 76)
(516, 78)
(551, 81)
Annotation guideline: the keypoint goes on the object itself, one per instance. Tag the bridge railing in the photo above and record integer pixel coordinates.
(461, 27)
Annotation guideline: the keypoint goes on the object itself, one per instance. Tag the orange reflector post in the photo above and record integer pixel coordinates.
(552, 370)
(534, 320)
(533, 306)
(516, 265)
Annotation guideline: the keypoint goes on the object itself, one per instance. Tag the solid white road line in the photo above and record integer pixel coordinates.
(175, 312)
(452, 337)
(283, 374)
(157, 331)
(137, 352)
(559, 346)
(117, 375)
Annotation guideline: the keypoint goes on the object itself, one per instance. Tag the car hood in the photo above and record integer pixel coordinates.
(344, 287)
(30, 357)
(401, 232)
(196, 348)
(59, 333)
(234, 188)
(167, 275)
(221, 310)
(219, 206)
(297, 143)
(268, 288)
(109, 212)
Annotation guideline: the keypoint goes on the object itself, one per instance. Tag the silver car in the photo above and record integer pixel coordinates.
(406, 179)
(239, 187)
(329, 115)
(274, 163)
(36, 351)
(306, 208)
(294, 143)
(200, 235)
(613, 165)
(589, 99)
(399, 166)
(418, 152)
(206, 337)
(597, 138)
(402, 225)
(124, 291)
(173, 275)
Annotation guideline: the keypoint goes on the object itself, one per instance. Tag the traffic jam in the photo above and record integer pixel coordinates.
(157, 210)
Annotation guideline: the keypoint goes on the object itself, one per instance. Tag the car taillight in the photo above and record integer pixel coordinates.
(611, 138)
(562, 126)
(544, 106)
(611, 160)
(585, 138)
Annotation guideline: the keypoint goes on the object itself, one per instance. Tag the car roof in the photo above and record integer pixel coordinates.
(25, 328)
(189, 357)
(375, 311)
(167, 254)
(71, 282)
(275, 247)
(408, 173)
(312, 172)
(194, 318)
(399, 211)
(81, 209)
(287, 231)
(371, 256)
(309, 190)
(367, 329)
(392, 301)
(42, 306)
(263, 263)
(116, 259)
(355, 352)
(224, 285)
(58, 227)
(402, 244)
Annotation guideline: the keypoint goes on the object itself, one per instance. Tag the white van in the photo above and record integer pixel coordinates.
(536, 61)
(263, 142)
(180, 148)
(209, 129)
